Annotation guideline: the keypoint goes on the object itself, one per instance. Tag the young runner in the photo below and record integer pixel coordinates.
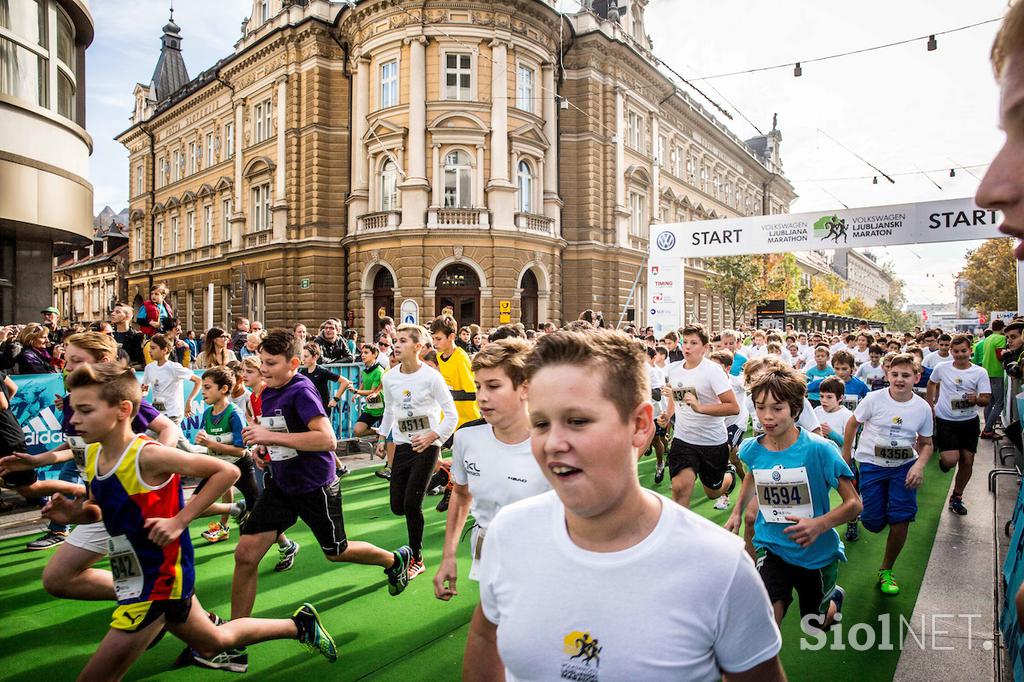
(415, 398)
(819, 370)
(941, 355)
(135, 488)
(372, 389)
(735, 425)
(833, 418)
(955, 391)
(664, 409)
(791, 472)
(491, 459)
(298, 438)
(703, 398)
(854, 388)
(872, 373)
(456, 368)
(892, 451)
(621, 548)
(321, 377)
(166, 377)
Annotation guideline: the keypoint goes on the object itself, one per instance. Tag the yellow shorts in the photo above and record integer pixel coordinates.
(136, 616)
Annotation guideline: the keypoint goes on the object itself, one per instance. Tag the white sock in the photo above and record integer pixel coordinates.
(283, 542)
(236, 509)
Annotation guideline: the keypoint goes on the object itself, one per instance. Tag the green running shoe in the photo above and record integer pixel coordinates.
(886, 583)
(398, 574)
(312, 633)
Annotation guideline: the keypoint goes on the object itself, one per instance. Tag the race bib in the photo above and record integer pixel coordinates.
(679, 394)
(900, 453)
(921, 391)
(783, 492)
(78, 447)
(850, 402)
(414, 424)
(125, 567)
(375, 403)
(961, 405)
(477, 541)
(278, 453)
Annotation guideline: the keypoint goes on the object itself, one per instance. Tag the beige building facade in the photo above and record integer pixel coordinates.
(358, 160)
(45, 196)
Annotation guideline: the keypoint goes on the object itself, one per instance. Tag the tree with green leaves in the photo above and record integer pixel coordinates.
(735, 279)
(989, 273)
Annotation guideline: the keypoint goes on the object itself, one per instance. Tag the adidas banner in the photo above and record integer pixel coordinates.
(931, 221)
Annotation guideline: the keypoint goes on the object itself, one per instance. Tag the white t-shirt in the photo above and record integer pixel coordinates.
(168, 396)
(756, 352)
(953, 385)
(836, 420)
(741, 395)
(867, 373)
(497, 474)
(709, 380)
(565, 613)
(414, 403)
(861, 356)
(807, 420)
(891, 428)
(933, 360)
(657, 379)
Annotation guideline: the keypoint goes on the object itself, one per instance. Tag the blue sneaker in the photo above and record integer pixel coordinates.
(398, 574)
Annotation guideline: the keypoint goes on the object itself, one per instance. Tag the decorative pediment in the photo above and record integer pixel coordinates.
(668, 195)
(530, 133)
(224, 183)
(638, 174)
(261, 164)
(172, 202)
(458, 120)
(188, 197)
(205, 190)
(137, 215)
(384, 132)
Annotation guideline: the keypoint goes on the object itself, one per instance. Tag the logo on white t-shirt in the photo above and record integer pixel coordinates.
(584, 652)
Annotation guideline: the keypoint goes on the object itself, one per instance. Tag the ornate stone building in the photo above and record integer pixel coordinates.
(474, 154)
(88, 281)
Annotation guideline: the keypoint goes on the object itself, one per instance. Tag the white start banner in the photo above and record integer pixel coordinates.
(949, 220)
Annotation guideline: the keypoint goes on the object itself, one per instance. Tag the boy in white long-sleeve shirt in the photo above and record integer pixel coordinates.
(420, 414)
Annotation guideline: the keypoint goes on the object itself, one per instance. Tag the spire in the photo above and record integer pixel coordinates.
(170, 73)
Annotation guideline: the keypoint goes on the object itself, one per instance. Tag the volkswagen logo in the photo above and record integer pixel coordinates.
(665, 241)
(776, 476)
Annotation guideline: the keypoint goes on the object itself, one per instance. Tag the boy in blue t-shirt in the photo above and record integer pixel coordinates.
(820, 370)
(792, 472)
(855, 389)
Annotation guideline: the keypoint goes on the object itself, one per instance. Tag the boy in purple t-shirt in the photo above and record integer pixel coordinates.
(295, 433)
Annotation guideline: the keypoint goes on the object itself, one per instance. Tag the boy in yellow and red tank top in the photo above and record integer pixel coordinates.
(135, 487)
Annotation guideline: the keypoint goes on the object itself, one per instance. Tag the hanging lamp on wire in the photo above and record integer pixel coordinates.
(952, 172)
(932, 43)
(797, 71)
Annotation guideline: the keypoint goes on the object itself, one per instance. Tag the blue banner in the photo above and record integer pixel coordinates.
(1013, 576)
(33, 406)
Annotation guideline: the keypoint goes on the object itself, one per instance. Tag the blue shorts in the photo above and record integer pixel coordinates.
(885, 495)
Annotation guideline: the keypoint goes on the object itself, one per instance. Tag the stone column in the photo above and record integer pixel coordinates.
(655, 210)
(415, 189)
(552, 203)
(358, 197)
(237, 218)
(621, 210)
(500, 191)
(279, 209)
(478, 199)
(436, 197)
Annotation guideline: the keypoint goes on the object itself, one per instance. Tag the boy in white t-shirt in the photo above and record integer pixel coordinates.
(933, 360)
(664, 409)
(703, 399)
(560, 569)
(492, 464)
(833, 415)
(892, 451)
(165, 377)
(956, 390)
(735, 425)
(872, 373)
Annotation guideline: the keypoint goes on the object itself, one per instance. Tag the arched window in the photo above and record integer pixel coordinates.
(389, 186)
(458, 185)
(524, 202)
(384, 292)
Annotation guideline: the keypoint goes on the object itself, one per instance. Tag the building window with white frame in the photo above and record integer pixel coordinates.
(635, 131)
(138, 243)
(207, 225)
(209, 149)
(193, 159)
(229, 140)
(263, 119)
(458, 76)
(190, 230)
(161, 172)
(638, 215)
(662, 146)
(524, 88)
(158, 247)
(524, 196)
(174, 235)
(264, 11)
(138, 179)
(458, 185)
(175, 166)
(261, 207)
(389, 186)
(225, 209)
(389, 84)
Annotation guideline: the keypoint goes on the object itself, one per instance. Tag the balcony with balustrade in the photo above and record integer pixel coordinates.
(381, 221)
(458, 218)
(535, 223)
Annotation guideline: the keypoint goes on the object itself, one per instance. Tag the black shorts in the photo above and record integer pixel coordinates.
(957, 435)
(736, 435)
(320, 509)
(708, 461)
(136, 616)
(372, 421)
(814, 586)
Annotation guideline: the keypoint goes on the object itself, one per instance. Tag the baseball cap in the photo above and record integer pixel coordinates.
(51, 309)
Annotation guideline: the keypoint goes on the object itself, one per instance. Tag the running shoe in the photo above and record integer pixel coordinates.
(287, 556)
(312, 633)
(987, 435)
(442, 505)
(342, 472)
(852, 532)
(416, 567)
(659, 475)
(956, 505)
(384, 473)
(838, 595)
(50, 540)
(886, 583)
(188, 655)
(398, 574)
(436, 490)
(216, 532)
(233, 660)
(722, 502)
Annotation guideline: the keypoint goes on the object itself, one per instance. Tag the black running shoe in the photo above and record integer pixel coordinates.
(287, 556)
(956, 505)
(659, 475)
(442, 505)
(384, 473)
(398, 574)
(852, 532)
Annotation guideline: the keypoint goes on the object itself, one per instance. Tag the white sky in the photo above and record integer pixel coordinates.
(902, 108)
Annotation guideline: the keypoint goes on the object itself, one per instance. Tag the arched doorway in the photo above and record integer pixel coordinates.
(383, 294)
(529, 300)
(458, 287)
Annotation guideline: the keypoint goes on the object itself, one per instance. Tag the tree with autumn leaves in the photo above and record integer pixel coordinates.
(990, 276)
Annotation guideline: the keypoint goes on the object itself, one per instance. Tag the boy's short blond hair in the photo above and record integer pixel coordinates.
(416, 332)
(508, 354)
(116, 383)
